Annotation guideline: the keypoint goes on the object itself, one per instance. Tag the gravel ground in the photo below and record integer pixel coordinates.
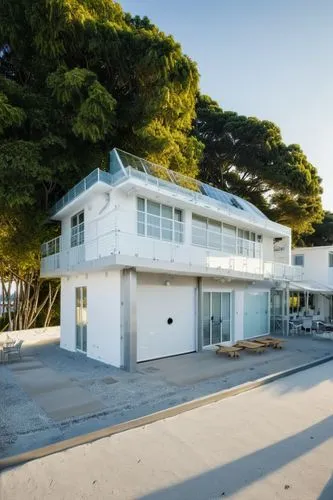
(157, 385)
(20, 417)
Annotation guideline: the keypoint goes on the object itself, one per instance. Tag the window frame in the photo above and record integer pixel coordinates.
(233, 239)
(77, 229)
(158, 226)
(298, 255)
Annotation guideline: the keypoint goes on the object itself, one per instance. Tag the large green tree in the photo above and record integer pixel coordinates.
(76, 79)
(322, 235)
(248, 157)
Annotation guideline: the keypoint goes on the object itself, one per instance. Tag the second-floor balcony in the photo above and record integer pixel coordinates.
(120, 249)
(283, 272)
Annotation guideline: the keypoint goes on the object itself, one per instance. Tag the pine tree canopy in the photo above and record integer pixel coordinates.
(248, 157)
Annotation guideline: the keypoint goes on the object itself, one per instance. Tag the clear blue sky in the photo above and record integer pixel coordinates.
(267, 58)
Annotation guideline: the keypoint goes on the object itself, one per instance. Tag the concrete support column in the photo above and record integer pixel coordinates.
(200, 315)
(286, 310)
(129, 278)
(287, 305)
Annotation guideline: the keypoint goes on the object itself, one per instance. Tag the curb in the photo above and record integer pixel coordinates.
(153, 417)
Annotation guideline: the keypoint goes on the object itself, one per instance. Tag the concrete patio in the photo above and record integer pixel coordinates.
(53, 394)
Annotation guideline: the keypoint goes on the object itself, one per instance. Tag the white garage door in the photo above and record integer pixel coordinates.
(165, 321)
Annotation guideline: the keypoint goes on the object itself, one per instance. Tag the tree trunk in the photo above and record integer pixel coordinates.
(28, 302)
(51, 304)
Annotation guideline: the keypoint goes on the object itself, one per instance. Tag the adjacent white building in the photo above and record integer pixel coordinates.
(153, 264)
(314, 293)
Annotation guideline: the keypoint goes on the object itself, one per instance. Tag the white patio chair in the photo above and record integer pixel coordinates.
(307, 325)
(13, 350)
(295, 327)
(320, 326)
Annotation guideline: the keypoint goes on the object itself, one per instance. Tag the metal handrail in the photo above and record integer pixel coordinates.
(95, 176)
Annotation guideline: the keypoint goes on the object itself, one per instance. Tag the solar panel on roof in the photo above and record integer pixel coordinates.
(211, 192)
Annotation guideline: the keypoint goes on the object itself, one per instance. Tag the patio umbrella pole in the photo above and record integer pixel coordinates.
(307, 302)
(298, 303)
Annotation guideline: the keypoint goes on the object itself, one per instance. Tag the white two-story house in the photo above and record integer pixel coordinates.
(153, 264)
(315, 292)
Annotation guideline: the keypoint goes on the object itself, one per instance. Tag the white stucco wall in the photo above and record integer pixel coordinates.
(67, 311)
(156, 301)
(315, 264)
(105, 212)
(103, 312)
(268, 251)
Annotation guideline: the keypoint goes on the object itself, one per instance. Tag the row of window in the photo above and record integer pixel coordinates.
(163, 222)
(298, 260)
(166, 223)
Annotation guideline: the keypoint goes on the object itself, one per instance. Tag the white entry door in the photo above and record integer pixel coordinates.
(255, 314)
(216, 317)
(165, 321)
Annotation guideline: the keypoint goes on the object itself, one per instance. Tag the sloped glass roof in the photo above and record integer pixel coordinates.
(120, 161)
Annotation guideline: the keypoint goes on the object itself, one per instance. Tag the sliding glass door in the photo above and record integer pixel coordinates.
(216, 317)
(81, 318)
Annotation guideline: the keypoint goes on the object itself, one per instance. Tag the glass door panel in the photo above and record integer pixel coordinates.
(81, 318)
(276, 310)
(216, 317)
(226, 319)
(263, 312)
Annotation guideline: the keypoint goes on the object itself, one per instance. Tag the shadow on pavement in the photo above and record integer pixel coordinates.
(234, 476)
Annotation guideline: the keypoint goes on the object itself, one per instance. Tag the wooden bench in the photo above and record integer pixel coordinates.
(266, 342)
(231, 351)
(274, 342)
(252, 346)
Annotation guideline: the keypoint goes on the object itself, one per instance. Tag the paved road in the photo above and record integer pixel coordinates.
(275, 442)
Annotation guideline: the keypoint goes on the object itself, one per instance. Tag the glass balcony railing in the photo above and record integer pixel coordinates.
(95, 176)
(284, 272)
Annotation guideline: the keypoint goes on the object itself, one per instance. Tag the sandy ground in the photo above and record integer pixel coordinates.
(275, 442)
(53, 394)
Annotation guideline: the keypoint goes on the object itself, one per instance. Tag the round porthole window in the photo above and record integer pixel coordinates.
(170, 321)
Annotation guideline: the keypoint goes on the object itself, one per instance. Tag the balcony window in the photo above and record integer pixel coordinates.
(224, 237)
(199, 231)
(299, 260)
(77, 229)
(158, 221)
(246, 243)
(229, 239)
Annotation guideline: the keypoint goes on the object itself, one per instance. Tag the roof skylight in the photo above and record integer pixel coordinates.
(120, 161)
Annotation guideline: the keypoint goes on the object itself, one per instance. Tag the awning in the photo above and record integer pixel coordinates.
(310, 286)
